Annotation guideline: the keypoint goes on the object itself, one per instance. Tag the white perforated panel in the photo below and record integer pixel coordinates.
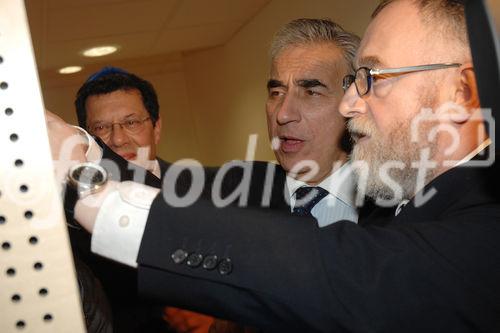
(38, 290)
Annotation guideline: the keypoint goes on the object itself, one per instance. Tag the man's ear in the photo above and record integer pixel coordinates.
(157, 130)
(467, 94)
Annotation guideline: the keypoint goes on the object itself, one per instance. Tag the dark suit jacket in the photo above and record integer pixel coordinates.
(434, 268)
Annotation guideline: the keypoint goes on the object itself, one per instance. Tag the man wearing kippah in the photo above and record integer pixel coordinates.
(122, 110)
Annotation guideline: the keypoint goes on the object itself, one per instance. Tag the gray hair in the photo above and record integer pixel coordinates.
(305, 31)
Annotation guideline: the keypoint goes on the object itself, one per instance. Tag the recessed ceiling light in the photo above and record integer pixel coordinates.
(99, 51)
(70, 69)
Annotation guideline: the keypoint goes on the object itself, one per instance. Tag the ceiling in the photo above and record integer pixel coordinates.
(61, 29)
(152, 33)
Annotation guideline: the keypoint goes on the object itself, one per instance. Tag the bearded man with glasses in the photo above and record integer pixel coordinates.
(413, 109)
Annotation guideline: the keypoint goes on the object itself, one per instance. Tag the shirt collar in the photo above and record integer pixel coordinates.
(476, 151)
(401, 206)
(341, 184)
(155, 168)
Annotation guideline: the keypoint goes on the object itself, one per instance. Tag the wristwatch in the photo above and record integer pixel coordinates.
(83, 179)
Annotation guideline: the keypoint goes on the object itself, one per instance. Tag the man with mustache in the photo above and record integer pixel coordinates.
(122, 110)
(306, 130)
(435, 266)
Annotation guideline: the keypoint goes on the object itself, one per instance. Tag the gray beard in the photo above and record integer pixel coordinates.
(386, 170)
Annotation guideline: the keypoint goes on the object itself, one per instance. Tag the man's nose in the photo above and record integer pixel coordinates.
(288, 110)
(118, 136)
(352, 104)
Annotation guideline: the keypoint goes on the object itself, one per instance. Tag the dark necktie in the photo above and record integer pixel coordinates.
(306, 198)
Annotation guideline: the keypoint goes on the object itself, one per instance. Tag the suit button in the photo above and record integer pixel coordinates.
(194, 260)
(210, 262)
(179, 256)
(225, 266)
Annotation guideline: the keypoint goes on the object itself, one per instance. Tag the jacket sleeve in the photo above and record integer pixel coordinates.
(283, 272)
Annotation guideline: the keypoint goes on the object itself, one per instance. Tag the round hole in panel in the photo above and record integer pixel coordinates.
(20, 324)
(18, 163)
(38, 266)
(2, 219)
(4, 85)
(43, 292)
(33, 240)
(16, 298)
(47, 317)
(23, 188)
(1, 59)
(9, 111)
(28, 214)
(6, 245)
(10, 271)
(14, 137)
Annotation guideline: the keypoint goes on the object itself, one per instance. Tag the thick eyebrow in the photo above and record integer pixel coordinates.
(370, 62)
(310, 83)
(272, 83)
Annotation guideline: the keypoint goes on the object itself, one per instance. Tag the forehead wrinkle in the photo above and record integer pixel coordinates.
(325, 68)
(328, 75)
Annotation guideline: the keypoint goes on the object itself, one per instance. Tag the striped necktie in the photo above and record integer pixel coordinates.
(306, 198)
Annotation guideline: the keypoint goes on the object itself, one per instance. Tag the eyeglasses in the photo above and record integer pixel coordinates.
(364, 76)
(130, 125)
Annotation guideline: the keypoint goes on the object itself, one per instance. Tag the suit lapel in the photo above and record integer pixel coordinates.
(280, 194)
(164, 165)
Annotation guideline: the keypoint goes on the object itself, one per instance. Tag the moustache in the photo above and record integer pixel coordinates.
(361, 127)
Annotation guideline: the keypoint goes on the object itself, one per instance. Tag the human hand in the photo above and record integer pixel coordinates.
(87, 208)
(67, 144)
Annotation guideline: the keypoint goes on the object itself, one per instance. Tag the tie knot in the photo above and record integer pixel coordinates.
(306, 198)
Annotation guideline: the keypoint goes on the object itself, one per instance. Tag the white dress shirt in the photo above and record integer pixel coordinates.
(339, 204)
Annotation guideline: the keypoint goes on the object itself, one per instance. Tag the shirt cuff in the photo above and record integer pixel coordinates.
(94, 151)
(120, 222)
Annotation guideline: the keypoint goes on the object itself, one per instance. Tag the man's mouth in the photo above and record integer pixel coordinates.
(359, 136)
(289, 144)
